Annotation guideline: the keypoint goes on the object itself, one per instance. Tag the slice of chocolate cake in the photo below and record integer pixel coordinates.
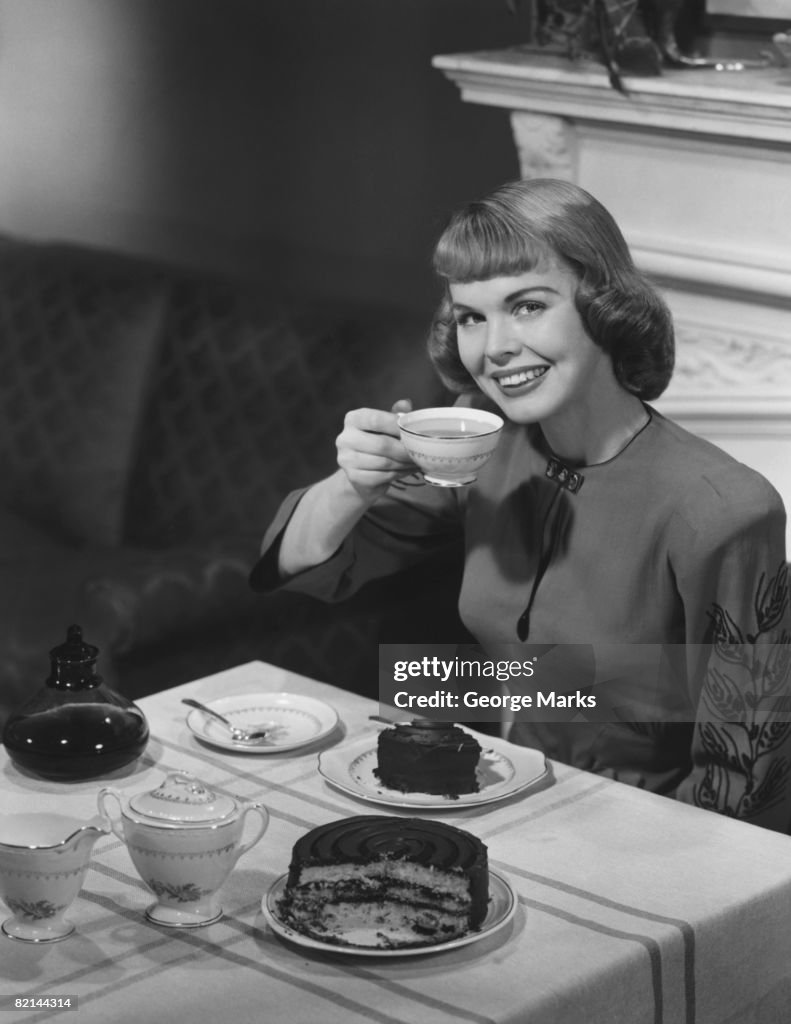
(428, 757)
(383, 881)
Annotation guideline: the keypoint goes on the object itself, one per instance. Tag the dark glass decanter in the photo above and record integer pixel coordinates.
(75, 727)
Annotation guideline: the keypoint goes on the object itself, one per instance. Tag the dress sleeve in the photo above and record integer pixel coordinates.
(735, 590)
(411, 523)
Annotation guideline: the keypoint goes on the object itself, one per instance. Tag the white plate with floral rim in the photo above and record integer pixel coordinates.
(294, 720)
(352, 768)
(502, 907)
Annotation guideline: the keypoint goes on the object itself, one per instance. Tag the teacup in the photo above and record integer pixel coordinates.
(43, 860)
(184, 841)
(450, 444)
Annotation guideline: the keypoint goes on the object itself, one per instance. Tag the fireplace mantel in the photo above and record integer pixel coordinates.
(753, 104)
(696, 167)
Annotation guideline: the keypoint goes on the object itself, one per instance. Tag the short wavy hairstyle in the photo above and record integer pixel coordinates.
(525, 224)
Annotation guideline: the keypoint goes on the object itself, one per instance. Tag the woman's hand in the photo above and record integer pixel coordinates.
(370, 451)
(370, 456)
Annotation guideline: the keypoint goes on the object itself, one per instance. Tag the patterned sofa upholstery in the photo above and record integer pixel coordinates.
(151, 419)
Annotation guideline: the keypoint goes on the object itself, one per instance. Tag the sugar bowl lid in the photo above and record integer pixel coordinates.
(181, 799)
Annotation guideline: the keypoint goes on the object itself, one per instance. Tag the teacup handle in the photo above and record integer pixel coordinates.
(250, 843)
(104, 795)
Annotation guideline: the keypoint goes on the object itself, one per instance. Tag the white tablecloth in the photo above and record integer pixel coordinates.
(632, 909)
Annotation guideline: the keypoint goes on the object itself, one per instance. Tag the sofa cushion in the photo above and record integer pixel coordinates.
(143, 598)
(247, 399)
(78, 328)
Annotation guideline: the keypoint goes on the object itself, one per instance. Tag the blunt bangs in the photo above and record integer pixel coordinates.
(479, 243)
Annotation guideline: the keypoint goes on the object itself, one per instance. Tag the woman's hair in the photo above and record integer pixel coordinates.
(526, 224)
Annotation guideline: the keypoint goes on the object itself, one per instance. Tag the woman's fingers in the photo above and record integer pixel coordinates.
(374, 421)
(370, 450)
(375, 433)
(376, 445)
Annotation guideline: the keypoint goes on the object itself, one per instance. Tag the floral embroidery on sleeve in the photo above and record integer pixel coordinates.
(744, 729)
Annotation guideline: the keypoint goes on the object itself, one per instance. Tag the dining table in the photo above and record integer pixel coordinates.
(619, 906)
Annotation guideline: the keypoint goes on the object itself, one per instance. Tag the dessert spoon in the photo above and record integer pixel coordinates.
(237, 734)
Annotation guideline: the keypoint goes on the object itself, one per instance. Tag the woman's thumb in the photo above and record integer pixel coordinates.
(402, 405)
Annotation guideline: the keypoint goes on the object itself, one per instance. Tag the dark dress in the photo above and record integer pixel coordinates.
(660, 585)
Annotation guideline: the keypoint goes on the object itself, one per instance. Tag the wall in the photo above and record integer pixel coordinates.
(303, 141)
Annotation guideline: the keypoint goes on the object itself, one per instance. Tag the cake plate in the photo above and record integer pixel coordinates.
(351, 768)
(502, 907)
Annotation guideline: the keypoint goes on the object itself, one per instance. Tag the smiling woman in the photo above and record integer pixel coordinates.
(547, 314)
(639, 564)
(553, 227)
(523, 343)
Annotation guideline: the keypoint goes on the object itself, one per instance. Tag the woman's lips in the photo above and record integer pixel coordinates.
(520, 382)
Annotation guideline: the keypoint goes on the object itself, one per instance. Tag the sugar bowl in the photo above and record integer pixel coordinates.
(184, 840)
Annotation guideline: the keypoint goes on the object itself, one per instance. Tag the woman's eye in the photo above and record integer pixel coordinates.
(468, 319)
(528, 307)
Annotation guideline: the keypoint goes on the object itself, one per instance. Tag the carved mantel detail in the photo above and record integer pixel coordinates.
(713, 360)
(734, 378)
(545, 145)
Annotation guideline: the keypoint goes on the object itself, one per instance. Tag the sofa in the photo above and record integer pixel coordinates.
(151, 419)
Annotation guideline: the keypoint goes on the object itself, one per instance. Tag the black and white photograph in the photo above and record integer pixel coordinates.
(395, 466)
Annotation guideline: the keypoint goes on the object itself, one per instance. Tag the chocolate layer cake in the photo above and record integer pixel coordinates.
(385, 881)
(428, 757)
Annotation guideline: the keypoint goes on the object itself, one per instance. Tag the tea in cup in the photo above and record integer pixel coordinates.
(450, 444)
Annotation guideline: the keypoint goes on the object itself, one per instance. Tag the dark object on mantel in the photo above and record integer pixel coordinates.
(75, 727)
(633, 37)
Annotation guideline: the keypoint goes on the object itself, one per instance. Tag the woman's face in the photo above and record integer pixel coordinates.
(523, 342)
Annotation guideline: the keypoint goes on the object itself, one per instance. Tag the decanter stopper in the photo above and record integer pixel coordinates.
(73, 664)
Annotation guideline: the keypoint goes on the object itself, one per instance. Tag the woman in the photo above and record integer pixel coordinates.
(647, 562)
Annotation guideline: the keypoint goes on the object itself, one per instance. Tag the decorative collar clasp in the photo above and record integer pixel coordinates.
(566, 477)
